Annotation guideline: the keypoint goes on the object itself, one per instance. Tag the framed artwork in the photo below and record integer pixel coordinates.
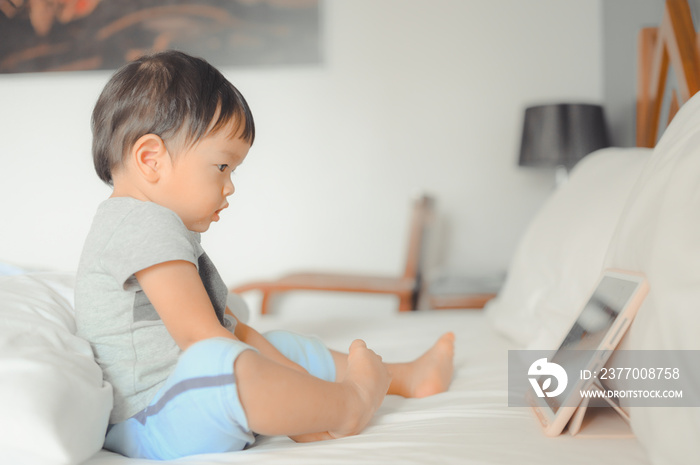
(69, 35)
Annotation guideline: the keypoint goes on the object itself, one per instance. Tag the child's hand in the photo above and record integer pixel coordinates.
(368, 379)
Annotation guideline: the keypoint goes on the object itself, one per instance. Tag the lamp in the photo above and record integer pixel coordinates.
(559, 135)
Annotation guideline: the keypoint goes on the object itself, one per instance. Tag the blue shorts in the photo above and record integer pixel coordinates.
(198, 411)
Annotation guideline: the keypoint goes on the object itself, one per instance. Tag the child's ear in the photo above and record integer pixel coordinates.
(150, 156)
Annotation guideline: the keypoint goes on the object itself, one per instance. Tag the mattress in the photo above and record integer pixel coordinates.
(469, 424)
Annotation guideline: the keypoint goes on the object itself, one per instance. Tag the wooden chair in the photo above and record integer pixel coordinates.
(458, 292)
(674, 44)
(406, 287)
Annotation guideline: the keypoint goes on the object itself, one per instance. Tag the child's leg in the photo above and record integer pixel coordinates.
(309, 352)
(429, 374)
(281, 401)
(314, 357)
(220, 390)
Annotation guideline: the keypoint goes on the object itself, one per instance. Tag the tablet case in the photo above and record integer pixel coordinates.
(607, 421)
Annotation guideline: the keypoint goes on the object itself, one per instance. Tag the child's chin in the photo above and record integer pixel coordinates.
(199, 227)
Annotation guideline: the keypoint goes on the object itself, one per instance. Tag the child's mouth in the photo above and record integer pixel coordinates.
(217, 213)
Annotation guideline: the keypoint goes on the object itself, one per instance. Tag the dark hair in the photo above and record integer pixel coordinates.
(169, 94)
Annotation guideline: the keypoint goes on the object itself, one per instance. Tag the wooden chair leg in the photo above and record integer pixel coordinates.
(405, 304)
(265, 306)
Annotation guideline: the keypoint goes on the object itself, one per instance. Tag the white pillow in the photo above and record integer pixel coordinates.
(54, 404)
(659, 234)
(560, 256)
(8, 269)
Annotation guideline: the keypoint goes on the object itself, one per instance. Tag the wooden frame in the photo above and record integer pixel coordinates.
(674, 43)
(71, 35)
(406, 287)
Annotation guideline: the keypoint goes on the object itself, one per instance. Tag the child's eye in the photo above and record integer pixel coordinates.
(222, 168)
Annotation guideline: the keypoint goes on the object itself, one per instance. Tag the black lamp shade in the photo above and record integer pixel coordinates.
(561, 134)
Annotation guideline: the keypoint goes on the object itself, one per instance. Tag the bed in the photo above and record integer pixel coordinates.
(636, 208)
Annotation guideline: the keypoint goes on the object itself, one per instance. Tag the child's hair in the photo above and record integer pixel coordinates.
(169, 94)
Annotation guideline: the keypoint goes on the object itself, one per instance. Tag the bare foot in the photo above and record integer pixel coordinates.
(312, 437)
(429, 374)
(368, 381)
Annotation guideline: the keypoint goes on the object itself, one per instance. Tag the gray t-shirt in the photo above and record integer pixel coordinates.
(128, 338)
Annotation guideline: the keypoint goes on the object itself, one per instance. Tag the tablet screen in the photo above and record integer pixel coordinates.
(591, 327)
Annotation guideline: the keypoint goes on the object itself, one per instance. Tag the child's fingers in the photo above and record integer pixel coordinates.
(358, 344)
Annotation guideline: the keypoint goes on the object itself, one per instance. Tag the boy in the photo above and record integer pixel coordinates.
(188, 377)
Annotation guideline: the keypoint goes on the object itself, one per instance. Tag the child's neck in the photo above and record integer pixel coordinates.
(123, 187)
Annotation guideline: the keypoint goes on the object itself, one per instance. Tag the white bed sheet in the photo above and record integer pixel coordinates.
(470, 424)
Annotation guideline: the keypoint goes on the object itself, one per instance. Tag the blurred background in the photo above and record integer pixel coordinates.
(404, 97)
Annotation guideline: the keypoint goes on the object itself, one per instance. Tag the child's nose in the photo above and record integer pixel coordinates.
(229, 188)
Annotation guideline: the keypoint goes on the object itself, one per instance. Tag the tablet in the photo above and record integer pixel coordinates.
(588, 345)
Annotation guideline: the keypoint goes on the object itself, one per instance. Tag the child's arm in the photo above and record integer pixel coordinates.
(178, 295)
(250, 336)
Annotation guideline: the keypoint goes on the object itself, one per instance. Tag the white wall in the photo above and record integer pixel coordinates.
(414, 95)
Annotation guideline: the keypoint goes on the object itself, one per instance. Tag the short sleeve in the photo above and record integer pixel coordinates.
(147, 235)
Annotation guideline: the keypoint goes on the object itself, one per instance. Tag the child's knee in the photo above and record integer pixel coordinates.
(309, 352)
